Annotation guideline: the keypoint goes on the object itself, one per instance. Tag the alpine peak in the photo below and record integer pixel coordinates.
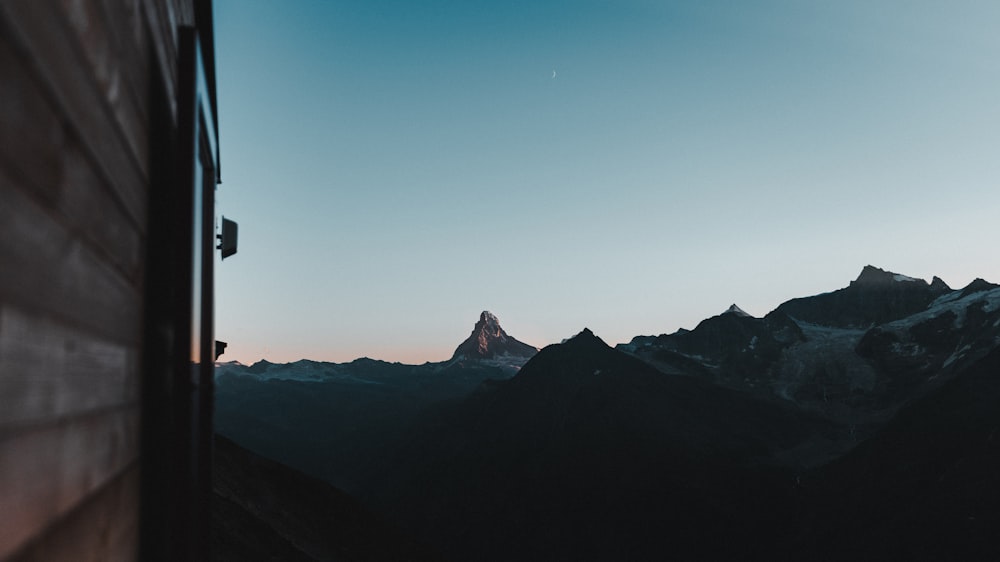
(733, 309)
(489, 340)
(585, 338)
(939, 284)
(872, 275)
(489, 319)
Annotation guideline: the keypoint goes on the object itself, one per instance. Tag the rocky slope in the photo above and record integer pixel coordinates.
(588, 453)
(489, 341)
(926, 487)
(875, 297)
(855, 425)
(265, 511)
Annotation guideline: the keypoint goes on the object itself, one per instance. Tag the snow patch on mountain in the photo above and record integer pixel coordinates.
(943, 305)
(871, 275)
(945, 298)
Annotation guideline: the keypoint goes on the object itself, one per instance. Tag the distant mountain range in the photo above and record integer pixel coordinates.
(856, 424)
(333, 420)
(854, 355)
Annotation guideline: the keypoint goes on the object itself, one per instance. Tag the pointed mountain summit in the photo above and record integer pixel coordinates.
(733, 309)
(585, 338)
(488, 340)
(586, 335)
(938, 284)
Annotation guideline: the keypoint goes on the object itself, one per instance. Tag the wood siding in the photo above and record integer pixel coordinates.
(75, 161)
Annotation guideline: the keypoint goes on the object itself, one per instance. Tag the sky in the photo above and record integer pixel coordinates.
(631, 166)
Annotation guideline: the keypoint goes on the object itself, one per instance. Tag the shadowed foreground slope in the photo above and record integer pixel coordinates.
(590, 454)
(927, 487)
(265, 511)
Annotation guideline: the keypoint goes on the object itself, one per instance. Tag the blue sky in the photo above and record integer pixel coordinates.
(632, 166)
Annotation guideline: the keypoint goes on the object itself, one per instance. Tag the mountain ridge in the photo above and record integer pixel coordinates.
(751, 428)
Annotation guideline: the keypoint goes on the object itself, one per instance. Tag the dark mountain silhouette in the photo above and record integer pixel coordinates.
(265, 511)
(977, 286)
(857, 376)
(858, 424)
(875, 297)
(488, 340)
(588, 453)
(733, 340)
(333, 420)
(926, 487)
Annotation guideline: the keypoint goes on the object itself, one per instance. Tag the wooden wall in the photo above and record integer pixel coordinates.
(75, 126)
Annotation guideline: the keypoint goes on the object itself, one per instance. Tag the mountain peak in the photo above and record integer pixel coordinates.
(938, 284)
(733, 309)
(872, 275)
(260, 366)
(489, 340)
(489, 319)
(585, 338)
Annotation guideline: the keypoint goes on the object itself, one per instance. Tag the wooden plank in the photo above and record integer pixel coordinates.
(51, 371)
(47, 472)
(41, 40)
(39, 149)
(95, 41)
(89, 209)
(48, 268)
(163, 38)
(129, 37)
(30, 132)
(104, 528)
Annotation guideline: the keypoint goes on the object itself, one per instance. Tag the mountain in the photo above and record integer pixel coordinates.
(332, 420)
(926, 487)
(956, 330)
(733, 340)
(859, 424)
(488, 341)
(854, 355)
(263, 510)
(589, 453)
(875, 297)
